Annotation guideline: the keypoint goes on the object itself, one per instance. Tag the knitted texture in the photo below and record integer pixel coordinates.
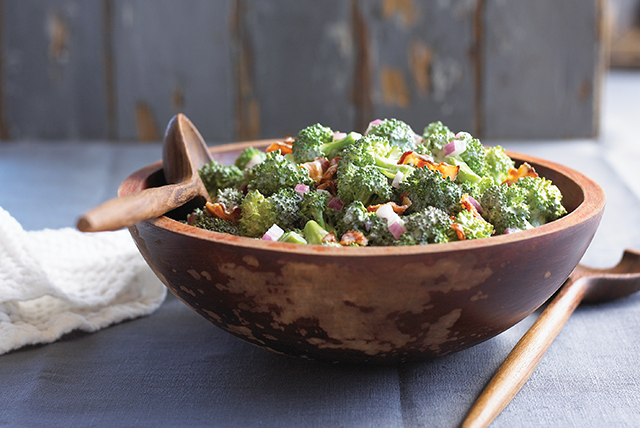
(55, 281)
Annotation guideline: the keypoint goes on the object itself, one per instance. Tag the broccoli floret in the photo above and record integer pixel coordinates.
(544, 199)
(505, 207)
(363, 183)
(216, 176)
(429, 226)
(471, 162)
(473, 226)
(199, 218)
(318, 141)
(375, 229)
(436, 136)
(314, 206)
(498, 164)
(477, 189)
(379, 233)
(306, 146)
(355, 218)
(230, 197)
(474, 154)
(374, 150)
(429, 188)
(364, 151)
(257, 215)
(286, 205)
(276, 172)
(396, 132)
(250, 157)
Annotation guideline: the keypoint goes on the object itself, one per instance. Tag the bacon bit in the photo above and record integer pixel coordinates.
(285, 147)
(404, 200)
(354, 237)
(447, 171)
(459, 231)
(525, 170)
(329, 237)
(331, 170)
(414, 158)
(316, 168)
(327, 181)
(219, 210)
(467, 205)
(419, 161)
(331, 186)
(398, 209)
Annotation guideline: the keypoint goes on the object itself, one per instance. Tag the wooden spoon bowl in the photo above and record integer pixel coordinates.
(373, 305)
(184, 153)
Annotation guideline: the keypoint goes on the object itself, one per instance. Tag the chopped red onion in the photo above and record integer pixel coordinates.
(510, 230)
(454, 148)
(397, 229)
(367, 225)
(192, 218)
(336, 204)
(475, 204)
(394, 222)
(337, 136)
(397, 179)
(273, 234)
(386, 212)
(301, 188)
(372, 124)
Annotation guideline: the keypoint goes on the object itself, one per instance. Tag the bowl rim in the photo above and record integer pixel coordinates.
(594, 200)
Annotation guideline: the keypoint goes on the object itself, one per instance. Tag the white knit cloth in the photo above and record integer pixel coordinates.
(55, 281)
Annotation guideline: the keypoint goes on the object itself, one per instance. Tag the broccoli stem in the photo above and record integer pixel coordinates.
(390, 168)
(314, 233)
(329, 149)
(293, 237)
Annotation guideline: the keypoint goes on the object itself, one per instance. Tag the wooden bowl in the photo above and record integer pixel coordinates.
(371, 304)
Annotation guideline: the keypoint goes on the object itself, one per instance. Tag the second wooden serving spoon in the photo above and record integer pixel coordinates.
(584, 285)
(184, 153)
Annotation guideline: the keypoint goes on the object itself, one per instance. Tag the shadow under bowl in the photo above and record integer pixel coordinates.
(380, 305)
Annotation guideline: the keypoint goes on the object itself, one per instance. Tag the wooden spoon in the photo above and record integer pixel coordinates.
(584, 284)
(184, 153)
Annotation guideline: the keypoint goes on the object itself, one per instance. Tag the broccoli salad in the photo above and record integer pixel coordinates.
(388, 186)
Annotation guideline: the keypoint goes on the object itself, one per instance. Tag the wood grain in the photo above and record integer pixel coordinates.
(166, 51)
(585, 284)
(54, 70)
(525, 356)
(131, 209)
(542, 69)
(420, 73)
(242, 69)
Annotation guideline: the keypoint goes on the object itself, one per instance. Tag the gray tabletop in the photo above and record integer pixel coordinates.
(173, 368)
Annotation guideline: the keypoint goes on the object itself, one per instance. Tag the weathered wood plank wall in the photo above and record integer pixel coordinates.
(242, 69)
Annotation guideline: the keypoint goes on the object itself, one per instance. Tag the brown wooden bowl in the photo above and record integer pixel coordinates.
(371, 304)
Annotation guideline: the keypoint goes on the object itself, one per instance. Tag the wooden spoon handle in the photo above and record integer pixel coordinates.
(136, 207)
(523, 359)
